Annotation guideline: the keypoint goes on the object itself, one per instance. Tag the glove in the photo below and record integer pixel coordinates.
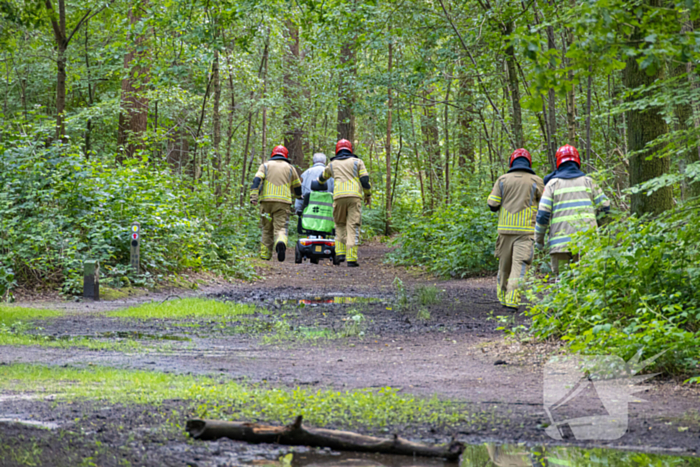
(254, 197)
(539, 246)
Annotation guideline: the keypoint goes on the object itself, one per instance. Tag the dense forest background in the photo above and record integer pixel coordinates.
(115, 111)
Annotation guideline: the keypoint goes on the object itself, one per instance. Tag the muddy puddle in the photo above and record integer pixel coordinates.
(136, 335)
(491, 455)
(329, 300)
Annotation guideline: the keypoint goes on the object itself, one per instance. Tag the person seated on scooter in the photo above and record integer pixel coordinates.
(323, 221)
(309, 176)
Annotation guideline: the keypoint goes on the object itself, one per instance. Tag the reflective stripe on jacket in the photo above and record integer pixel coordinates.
(279, 178)
(517, 195)
(346, 174)
(568, 206)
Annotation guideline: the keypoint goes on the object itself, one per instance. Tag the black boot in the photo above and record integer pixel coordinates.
(281, 251)
(353, 264)
(339, 259)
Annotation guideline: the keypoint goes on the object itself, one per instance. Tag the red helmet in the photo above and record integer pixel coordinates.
(280, 151)
(343, 144)
(568, 153)
(520, 153)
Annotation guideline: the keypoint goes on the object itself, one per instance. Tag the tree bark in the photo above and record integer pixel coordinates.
(296, 434)
(431, 145)
(447, 142)
(293, 136)
(216, 124)
(346, 92)
(685, 119)
(387, 195)
(514, 85)
(90, 99)
(464, 120)
(643, 126)
(551, 102)
(133, 119)
(588, 115)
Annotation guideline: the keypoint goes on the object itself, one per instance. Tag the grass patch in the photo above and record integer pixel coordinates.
(215, 398)
(14, 327)
(427, 295)
(16, 337)
(14, 314)
(184, 309)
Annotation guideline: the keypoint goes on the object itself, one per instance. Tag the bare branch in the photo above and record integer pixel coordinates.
(471, 57)
(87, 17)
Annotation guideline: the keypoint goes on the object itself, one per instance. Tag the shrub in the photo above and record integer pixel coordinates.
(57, 208)
(456, 241)
(636, 286)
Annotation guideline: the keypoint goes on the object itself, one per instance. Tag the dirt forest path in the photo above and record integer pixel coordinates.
(447, 345)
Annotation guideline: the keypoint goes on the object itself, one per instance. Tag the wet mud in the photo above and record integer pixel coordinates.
(323, 327)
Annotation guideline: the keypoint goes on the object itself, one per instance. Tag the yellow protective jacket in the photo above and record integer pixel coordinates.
(516, 195)
(568, 206)
(350, 176)
(277, 180)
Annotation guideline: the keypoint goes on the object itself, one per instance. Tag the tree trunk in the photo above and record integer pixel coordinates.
(263, 144)
(387, 195)
(230, 132)
(430, 133)
(293, 136)
(178, 152)
(552, 105)
(571, 93)
(518, 138)
(447, 142)
(133, 119)
(216, 123)
(245, 158)
(346, 93)
(464, 120)
(685, 120)
(643, 126)
(588, 116)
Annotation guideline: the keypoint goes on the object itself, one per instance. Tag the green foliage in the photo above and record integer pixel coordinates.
(637, 286)
(401, 294)
(57, 209)
(456, 241)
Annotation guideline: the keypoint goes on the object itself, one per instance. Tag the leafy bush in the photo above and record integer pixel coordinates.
(57, 209)
(636, 286)
(455, 241)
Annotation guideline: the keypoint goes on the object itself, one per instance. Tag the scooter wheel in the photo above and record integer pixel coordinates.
(297, 254)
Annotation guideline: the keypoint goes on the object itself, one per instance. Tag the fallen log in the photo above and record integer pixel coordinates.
(296, 434)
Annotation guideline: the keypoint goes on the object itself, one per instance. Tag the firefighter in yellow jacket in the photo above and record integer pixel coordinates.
(275, 184)
(516, 195)
(351, 184)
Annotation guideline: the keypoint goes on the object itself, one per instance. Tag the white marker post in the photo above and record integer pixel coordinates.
(135, 246)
